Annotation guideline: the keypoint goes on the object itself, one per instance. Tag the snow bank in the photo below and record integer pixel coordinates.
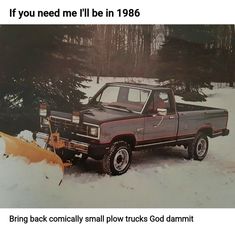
(28, 136)
(22, 182)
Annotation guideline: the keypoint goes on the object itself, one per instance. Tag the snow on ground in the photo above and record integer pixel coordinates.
(157, 178)
(24, 185)
(22, 182)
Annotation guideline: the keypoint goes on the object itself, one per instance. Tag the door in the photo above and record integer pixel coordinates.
(160, 127)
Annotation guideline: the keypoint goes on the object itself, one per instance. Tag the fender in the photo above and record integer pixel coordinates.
(130, 138)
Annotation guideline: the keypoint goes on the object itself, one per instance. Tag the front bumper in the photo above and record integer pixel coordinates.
(95, 151)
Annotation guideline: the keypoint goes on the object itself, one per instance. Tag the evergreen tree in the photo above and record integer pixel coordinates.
(41, 63)
(191, 57)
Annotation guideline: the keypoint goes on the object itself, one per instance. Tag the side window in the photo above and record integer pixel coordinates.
(160, 99)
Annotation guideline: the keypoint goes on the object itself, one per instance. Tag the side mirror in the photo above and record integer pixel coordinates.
(162, 111)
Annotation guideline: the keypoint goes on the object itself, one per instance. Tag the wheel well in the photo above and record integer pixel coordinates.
(207, 131)
(130, 139)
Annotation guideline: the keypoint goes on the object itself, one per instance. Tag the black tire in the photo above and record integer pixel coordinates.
(118, 159)
(198, 149)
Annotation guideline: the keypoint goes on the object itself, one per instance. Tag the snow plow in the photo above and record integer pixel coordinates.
(30, 150)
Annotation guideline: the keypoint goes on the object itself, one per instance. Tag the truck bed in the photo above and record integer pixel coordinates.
(192, 118)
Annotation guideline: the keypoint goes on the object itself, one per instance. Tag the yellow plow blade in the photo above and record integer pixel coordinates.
(29, 150)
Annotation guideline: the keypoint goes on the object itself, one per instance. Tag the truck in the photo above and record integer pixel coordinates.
(125, 117)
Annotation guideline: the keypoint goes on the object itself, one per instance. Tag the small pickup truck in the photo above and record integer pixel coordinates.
(125, 117)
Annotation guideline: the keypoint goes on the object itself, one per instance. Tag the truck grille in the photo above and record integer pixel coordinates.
(65, 126)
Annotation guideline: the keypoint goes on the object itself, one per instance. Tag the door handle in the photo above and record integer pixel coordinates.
(171, 117)
(139, 129)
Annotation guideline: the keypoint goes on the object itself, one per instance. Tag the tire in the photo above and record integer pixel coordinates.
(118, 159)
(198, 149)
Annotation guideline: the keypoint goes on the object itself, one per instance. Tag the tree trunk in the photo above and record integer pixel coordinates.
(98, 80)
(187, 86)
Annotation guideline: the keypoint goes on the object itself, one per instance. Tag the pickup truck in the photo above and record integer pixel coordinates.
(125, 117)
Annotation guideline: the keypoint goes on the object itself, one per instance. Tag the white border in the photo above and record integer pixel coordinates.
(152, 12)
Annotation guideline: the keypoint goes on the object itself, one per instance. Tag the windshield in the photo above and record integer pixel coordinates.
(123, 97)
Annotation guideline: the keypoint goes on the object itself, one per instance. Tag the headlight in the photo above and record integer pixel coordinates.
(76, 117)
(93, 131)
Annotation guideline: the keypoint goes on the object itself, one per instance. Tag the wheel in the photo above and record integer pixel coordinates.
(199, 147)
(118, 159)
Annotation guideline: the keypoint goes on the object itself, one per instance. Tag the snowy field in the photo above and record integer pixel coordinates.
(157, 178)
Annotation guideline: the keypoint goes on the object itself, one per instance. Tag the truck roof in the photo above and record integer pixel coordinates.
(138, 85)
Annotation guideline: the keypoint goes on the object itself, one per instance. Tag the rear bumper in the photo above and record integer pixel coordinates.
(224, 132)
(95, 151)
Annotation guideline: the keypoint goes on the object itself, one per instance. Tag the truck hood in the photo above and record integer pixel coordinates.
(98, 115)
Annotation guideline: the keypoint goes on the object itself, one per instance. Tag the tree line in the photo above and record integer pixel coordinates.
(185, 57)
(50, 63)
